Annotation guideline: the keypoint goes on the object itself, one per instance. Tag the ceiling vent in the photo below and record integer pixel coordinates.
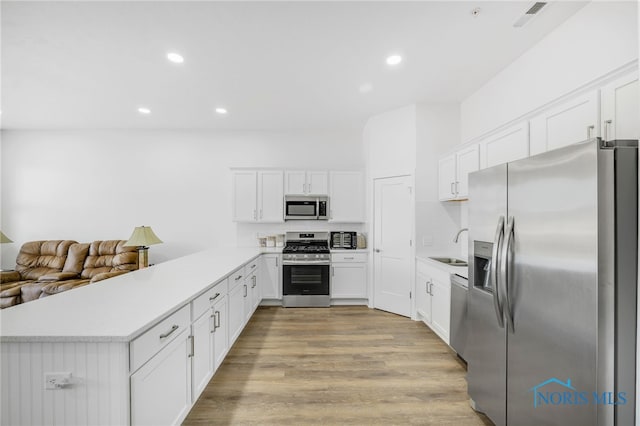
(533, 10)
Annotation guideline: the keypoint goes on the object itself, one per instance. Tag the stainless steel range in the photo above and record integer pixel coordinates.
(306, 263)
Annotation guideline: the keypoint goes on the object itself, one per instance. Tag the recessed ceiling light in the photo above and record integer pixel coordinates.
(143, 110)
(175, 58)
(221, 110)
(365, 88)
(394, 59)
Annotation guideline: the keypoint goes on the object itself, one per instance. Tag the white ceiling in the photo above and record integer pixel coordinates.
(273, 65)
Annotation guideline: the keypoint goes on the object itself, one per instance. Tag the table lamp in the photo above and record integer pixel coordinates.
(142, 238)
(4, 238)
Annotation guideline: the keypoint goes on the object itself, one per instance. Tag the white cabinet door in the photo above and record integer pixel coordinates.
(203, 349)
(256, 294)
(244, 195)
(346, 197)
(295, 182)
(349, 281)
(220, 330)
(620, 109)
(270, 196)
(467, 161)
(248, 297)
(509, 145)
(446, 178)
(161, 389)
(571, 122)
(441, 308)
(317, 183)
(236, 311)
(270, 277)
(423, 298)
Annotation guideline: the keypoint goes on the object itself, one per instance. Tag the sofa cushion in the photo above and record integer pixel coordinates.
(9, 276)
(76, 257)
(61, 286)
(109, 256)
(37, 258)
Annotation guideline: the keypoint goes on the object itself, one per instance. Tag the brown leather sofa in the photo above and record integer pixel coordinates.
(44, 268)
(35, 259)
(101, 260)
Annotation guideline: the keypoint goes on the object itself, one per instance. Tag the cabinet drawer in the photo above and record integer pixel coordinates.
(251, 267)
(203, 302)
(237, 277)
(148, 344)
(349, 257)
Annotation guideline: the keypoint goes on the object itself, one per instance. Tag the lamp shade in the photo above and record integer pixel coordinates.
(4, 238)
(143, 236)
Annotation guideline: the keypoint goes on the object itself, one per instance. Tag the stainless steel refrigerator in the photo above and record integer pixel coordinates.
(553, 263)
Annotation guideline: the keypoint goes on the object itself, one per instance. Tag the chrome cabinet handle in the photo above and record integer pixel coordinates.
(493, 272)
(457, 190)
(212, 298)
(216, 321)
(428, 287)
(168, 333)
(254, 281)
(505, 260)
(589, 130)
(245, 290)
(431, 288)
(607, 124)
(452, 193)
(213, 320)
(192, 353)
(276, 262)
(238, 277)
(255, 215)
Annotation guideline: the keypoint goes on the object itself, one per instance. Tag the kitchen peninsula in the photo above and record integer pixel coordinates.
(135, 349)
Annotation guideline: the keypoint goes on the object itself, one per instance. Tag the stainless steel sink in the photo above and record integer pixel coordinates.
(450, 261)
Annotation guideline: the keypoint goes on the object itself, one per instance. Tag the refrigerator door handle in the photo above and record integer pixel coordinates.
(506, 260)
(493, 273)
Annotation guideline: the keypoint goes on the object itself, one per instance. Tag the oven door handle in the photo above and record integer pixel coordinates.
(306, 262)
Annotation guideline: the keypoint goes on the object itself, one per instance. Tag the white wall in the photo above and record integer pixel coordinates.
(92, 185)
(390, 142)
(438, 130)
(600, 38)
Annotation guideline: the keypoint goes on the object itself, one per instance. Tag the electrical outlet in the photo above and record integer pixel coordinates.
(55, 381)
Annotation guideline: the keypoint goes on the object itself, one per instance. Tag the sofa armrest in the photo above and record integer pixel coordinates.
(58, 276)
(9, 276)
(105, 275)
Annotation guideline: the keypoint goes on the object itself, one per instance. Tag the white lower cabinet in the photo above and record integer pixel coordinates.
(237, 291)
(161, 389)
(270, 280)
(220, 330)
(349, 276)
(433, 298)
(202, 355)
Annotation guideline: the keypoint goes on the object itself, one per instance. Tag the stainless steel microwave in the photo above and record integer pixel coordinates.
(298, 207)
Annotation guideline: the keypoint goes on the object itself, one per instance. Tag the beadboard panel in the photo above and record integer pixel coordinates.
(98, 394)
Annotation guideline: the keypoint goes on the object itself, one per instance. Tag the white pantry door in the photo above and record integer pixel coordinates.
(392, 244)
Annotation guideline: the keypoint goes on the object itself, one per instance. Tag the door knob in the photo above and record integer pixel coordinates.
(377, 250)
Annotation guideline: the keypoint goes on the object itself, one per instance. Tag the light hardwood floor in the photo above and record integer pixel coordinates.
(339, 365)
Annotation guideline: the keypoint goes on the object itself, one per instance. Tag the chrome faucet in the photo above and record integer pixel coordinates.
(455, 240)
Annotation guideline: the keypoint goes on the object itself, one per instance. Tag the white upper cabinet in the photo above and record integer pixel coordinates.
(573, 121)
(508, 145)
(258, 196)
(270, 196)
(245, 190)
(447, 178)
(467, 161)
(620, 108)
(453, 173)
(346, 197)
(300, 182)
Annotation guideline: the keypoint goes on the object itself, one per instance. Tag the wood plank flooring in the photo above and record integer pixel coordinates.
(339, 365)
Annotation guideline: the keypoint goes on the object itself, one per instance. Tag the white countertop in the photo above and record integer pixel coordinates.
(463, 271)
(121, 308)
